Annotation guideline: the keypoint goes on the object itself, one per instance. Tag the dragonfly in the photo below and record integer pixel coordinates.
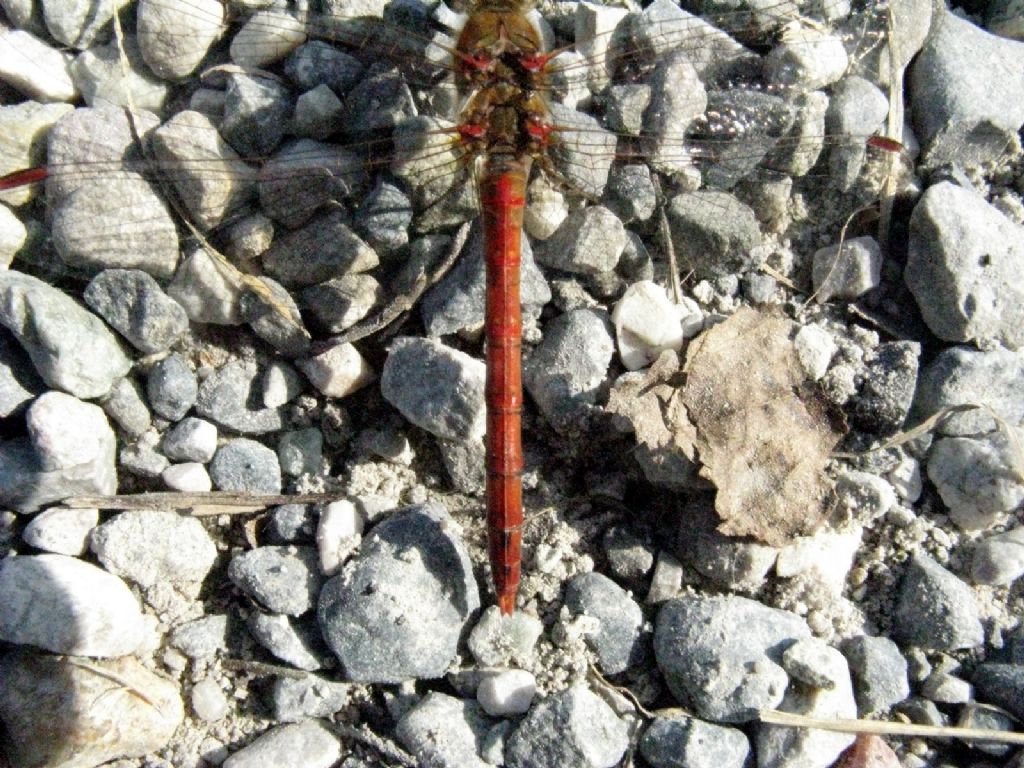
(465, 114)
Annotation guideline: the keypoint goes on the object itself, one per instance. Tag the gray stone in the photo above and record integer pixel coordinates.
(312, 740)
(630, 556)
(256, 113)
(573, 728)
(808, 57)
(64, 605)
(974, 715)
(625, 105)
(282, 579)
(281, 384)
(202, 638)
(294, 700)
(70, 347)
(61, 531)
(618, 638)
(935, 609)
(303, 176)
(999, 560)
(847, 270)
(208, 291)
(808, 746)
(961, 375)
(631, 193)
(977, 478)
(245, 466)
(590, 241)
(677, 99)
(725, 561)
(19, 382)
(437, 388)
(69, 450)
(175, 35)
(104, 80)
(134, 304)
(40, 707)
(274, 316)
(812, 662)
(1002, 685)
(317, 63)
(13, 236)
(724, 682)
(318, 113)
(678, 741)
(125, 404)
(714, 233)
(325, 248)
(291, 524)
(456, 304)
(379, 101)
(142, 459)
(883, 401)
(879, 673)
(962, 267)
(300, 451)
(566, 369)
(383, 218)
(944, 688)
(36, 69)
(584, 151)
(267, 36)
(857, 109)
(340, 303)
(78, 24)
(966, 91)
(411, 589)
(445, 732)
(498, 640)
(191, 439)
(171, 387)
(296, 643)
(152, 547)
(231, 398)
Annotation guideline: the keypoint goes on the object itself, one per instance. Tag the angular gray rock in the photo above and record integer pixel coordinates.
(445, 732)
(245, 466)
(282, 579)
(678, 740)
(963, 265)
(171, 387)
(618, 639)
(411, 589)
(725, 682)
(231, 398)
(150, 547)
(312, 741)
(935, 609)
(71, 348)
(572, 729)
(879, 673)
(437, 388)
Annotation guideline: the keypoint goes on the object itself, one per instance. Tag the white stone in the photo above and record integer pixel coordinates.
(338, 534)
(208, 700)
(814, 349)
(847, 270)
(175, 35)
(691, 317)
(808, 56)
(646, 324)
(999, 560)
(61, 530)
(190, 477)
(67, 432)
(23, 130)
(507, 693)
(267, 36)
(498, 640)
(828, 555)
(34, 68)
(281, 384)
(905, 478)
(338, 372)
(546, 209)
(312, 740)
(12, 236)
(64, 605)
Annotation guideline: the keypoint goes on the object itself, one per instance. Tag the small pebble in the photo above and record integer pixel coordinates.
(294, 700)
(317, 744)
(507, 693)
(245, 466)
(61, 530)
(338, 534)
(208, 700)
(283, 579)
(190, 477)
(191, 439)
(171, 387)
(498, 640)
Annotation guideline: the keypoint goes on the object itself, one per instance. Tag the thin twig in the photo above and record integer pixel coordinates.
(217, 502)
(114, 677)
(262, 669)
(384, 747)
(670, 252)
(790, 719)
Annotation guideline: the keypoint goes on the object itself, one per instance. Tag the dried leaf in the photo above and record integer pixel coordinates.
(650, 403)
(763, 433)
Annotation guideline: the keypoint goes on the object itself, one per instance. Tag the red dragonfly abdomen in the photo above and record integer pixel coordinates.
(503, 200)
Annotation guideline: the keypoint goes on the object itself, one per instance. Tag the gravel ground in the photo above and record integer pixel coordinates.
(728, 510)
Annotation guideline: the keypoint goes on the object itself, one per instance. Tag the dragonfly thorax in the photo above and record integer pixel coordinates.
(499, 46)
